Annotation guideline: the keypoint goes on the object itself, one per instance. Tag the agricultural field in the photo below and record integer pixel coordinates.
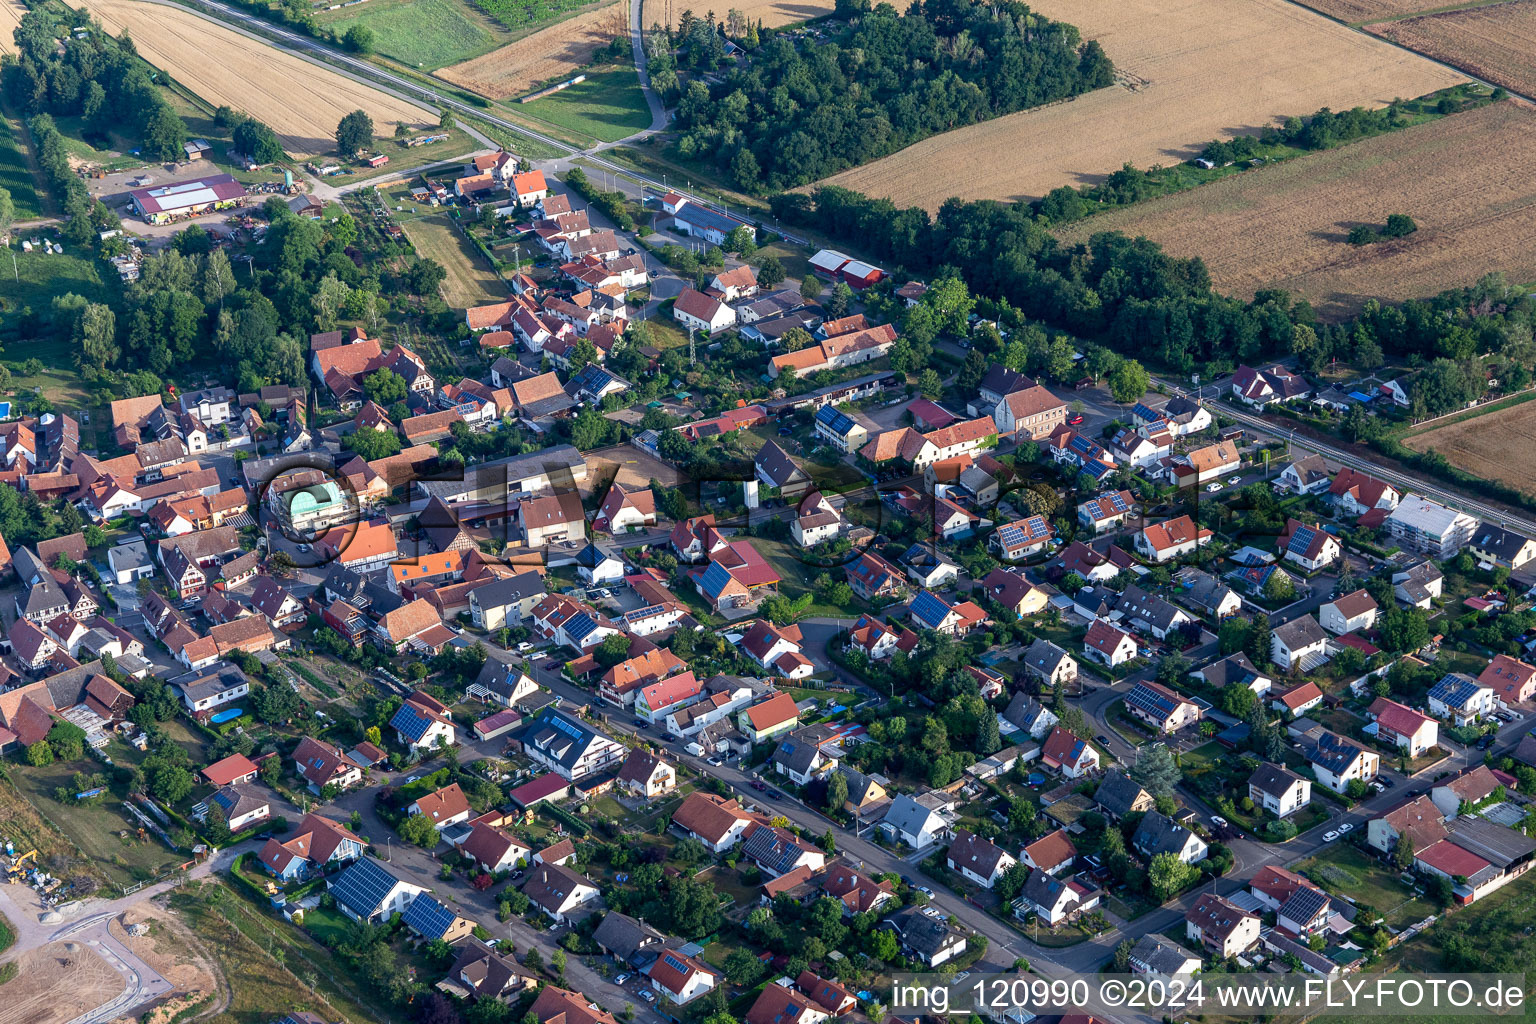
(550, 54)
(1496, 42)
(1482, 445)
(15, 175)
(1187, 71)
(10, 16)
(470, 282)
(608, 106)
(1464, 179)
(300, 101)
(1358, 12)
(421, 33)
(772, 13)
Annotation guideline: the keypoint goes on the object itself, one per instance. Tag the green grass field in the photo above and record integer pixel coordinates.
(470, 282)
(35, 279)
(608, 106)
(425, 34)
(15, 176)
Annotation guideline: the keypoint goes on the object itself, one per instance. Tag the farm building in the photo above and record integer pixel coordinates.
(701, 222)
(161, 204)
(837, 266)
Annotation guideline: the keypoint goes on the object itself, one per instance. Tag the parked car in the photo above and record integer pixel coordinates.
(1213, 486)
(758, 785)
(1346, 827)
(1329, 837)
(1075, 420)
(1218, 821)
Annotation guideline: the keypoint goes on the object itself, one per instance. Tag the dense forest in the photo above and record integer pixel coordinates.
(797, 111)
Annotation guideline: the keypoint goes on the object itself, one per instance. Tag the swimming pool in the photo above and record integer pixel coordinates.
(227, 715)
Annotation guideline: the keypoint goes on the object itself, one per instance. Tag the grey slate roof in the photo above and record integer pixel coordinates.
(1159, 833)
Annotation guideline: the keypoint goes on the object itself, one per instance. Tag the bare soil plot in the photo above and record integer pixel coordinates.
(1496, 43)
(10, 16)
(552, 53)
(1465, 179)
(58, 982)
(1190, 71)
(302, 102)
(1483, 444)
(1359, 11)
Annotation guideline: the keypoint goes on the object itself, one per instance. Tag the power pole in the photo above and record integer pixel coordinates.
(692, 343)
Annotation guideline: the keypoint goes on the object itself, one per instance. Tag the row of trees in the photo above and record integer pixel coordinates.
(798, 113)
(1131, 296)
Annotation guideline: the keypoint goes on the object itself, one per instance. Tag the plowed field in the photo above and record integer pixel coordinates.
(1497, 42)
(1464, 179)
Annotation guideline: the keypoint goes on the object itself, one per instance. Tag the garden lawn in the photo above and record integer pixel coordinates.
(1342, 869)
(797, 577)
(15, 175)
(608, 106)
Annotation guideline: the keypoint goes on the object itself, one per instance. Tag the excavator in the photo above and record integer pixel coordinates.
(18, 868)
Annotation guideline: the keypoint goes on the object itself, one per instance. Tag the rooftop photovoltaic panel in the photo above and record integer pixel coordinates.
(1117, 502)
(1302, 539)
(929, 608)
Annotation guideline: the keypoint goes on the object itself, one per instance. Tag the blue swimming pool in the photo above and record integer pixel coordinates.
(5, 410)
(227, 715)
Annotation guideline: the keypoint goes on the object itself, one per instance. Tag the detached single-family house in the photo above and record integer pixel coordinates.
(926, 936)
(442, 807)
(1055, 900)
(1072, 756)
(914, 823)
(1512, 681)
(1336, 762)
(1108, 644)
(1279, 790)
(1309, 546)
(1048, 663)
(1301, 643)
(1159, 833)
(1403, 727)
(1221, 927)
(1165, 541)
(559, 891)
(1348, 614)
(1308, 475)
(1498, 547)
(1052, 853)
(367, 891)
(978, 860)
(1161, 708)
(1461, 698)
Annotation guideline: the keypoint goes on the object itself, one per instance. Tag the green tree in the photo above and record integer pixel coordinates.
(1402, 852)
(1128, 382)
(1155, 770)
(40, 754)
(612, 650)
(8, 211)
(385, 386)
(837, 791)
(930, 384)
(419, 829)
(354, 132)
(1168, 876)
(67, 740)
(372, 444)
(359, 39)
(256, 141)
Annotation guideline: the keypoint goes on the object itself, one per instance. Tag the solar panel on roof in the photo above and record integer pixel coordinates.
(676, 964)
(1117, 502)
(1036, 525)
(1302, 539)
(929, 608)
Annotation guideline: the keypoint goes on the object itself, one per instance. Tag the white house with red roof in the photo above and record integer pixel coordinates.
(625, 509)
(679, 979)
(1403, 727)
(777, 649)
(699, 312)
(1165, 541)
(1072, 756)
(1108, 644)
(769, 718)
(1511, 680)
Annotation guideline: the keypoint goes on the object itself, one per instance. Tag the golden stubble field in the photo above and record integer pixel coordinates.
(300, 101)
(1496, 42)
(10, 16)
(555, 52)
(1192, 70)
(772, 13)
(1482, 445)
(1465, 179)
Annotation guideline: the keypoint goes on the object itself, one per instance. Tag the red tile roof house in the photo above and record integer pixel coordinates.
(698, 312)
(828, 995)
(317, 843)
(232, 769)
(1512, 681)
(858, 892)
(494, 849)
(1404, 727)
(779, 1004)
(1074, 757)
(625, 510)
(714, 821)
(444, 807)
(680, 979)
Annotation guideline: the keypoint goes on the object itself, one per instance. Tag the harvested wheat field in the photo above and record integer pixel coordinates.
(1361, 11)
(58, 982)
(1482, 445)
(772, 13)
(1191, 70)
(549, 54)
(10, 16)
(300, 101)
(1496, 43)
(1464, 179)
